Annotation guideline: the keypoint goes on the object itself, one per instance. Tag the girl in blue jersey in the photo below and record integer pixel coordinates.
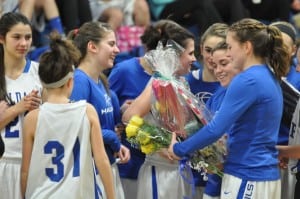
(224, 72)
(251, 109)
(203, 81)
(20, 87)
(97, 44)
(158, 177)
(129, 86)
(75, 143)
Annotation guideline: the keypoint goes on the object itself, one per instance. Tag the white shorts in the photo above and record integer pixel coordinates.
(130, 188)
(117, 183)
(10, 178)
(158, 176)
(210, 197)
(288, 181)
(233, 187)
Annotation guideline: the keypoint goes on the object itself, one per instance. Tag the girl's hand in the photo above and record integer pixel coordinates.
(124, 154)
(171, 153)
(32, 101)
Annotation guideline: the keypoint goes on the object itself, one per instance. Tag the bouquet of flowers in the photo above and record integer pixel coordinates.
(174, 109)
(149, 138)
(210, 158)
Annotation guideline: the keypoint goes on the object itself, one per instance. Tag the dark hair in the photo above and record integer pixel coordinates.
(267, 43)
(7, 21)
(59, 61)
(90, 31)
(286, 28)
(163, 31)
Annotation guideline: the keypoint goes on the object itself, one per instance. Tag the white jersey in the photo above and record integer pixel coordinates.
(61, 165)
(294, 138)
(16, 90)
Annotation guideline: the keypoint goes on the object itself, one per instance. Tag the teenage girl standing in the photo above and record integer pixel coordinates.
(21, 88)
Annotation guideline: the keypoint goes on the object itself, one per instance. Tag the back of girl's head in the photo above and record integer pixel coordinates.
(7, 21)
(286, 28)
(89, 31)
(266, 41)
(163, 31)
(217, 30)
(59, 60)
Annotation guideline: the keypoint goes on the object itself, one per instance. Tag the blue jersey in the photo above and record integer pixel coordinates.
(85, 88)
(293, 77)
(214, 102)
(128, 80)
(197, 85)
(252, 110)
(213, 184)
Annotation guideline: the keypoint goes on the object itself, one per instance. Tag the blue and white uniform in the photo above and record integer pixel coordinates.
(10, 164)
(212, 188)
(67, 142)
(198, 85)
(248, 111)
(288, 179)
(203, 90)
(294, 139)
(94, 93)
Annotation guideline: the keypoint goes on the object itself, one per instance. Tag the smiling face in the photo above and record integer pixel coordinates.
(223, 69)
(206, 48)
(187, 57)
(17, 41)
(107, 50)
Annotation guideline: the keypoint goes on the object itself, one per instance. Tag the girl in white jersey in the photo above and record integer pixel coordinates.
(62, 140)
(21, 89)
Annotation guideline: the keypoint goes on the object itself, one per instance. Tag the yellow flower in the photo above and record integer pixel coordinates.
(143, 137)
(148, 148)
(136, 120)
(131, 130)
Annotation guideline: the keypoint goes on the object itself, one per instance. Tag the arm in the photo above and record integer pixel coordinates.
(291, 151)
(232, 107)
(29, 127)
(101, 159)
(140, 106)
(3, 107)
